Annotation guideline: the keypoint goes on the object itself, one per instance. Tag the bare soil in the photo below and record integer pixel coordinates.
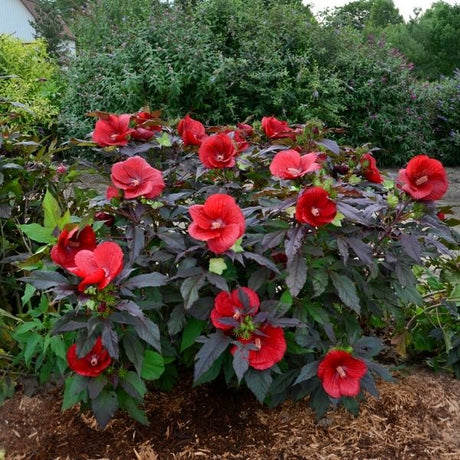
(417, 417)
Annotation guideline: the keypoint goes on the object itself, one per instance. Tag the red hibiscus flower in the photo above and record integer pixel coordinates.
(192, 131)
(369, 169)
(289, 164)
(113, 130)
(230, 305)
(218, 151)
(145, 126)
(269, 344)
(340, 373)
(100, 266)
(276, 129)
(314, 207)
(219, 222)
(137, 178)
(245, 129)
(70, 241)
(424, 178)
(93, 363)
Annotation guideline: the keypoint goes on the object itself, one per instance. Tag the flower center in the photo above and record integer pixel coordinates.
(220, 157)
(237, 315)
(421, 180)
(341, 371)
(135, 182)
(258, 343)
(217, 224)
(315, 211)
(293, 171)
(94, 361)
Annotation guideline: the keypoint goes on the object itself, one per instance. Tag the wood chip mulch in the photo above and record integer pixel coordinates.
(418, 417)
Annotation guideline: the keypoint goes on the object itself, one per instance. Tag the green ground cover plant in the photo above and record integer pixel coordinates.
(263, 254)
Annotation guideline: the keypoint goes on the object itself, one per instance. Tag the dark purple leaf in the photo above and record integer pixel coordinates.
(134, 350)
(294, 240)
(296, 274)
(261, 260)
(307, 372)
(189, 289)
(411, 247)
(258, 382)
(153, 279)
(346, 290)
(213, 347)
(240, 362)
(330, 145)
(218, 281)
(104, 407)
(343, 249)
(42, 279)
(361, 249)
(110, 340)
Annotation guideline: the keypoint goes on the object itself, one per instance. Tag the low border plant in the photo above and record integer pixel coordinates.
(267, 256)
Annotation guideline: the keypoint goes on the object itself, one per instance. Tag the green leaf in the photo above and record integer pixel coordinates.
(455, 294)
(130, 405)
(38, 233)
(192, 330)
(52, 211)
(351, 404)
(258, 382)
(346, 290)
(164, 140)
(133, 385)
(153, 365)
(76, 388)
(32, 343)
(104, 407)
(58, 347)
(217, 265)
(29, 291)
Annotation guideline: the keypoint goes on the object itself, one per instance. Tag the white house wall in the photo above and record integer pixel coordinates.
(14, 20)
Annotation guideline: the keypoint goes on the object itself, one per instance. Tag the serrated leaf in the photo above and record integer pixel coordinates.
(152, 366)
(191, 331)
(367, 346)
(38, 233)
(189, 289)
(154, 279)
(261, 260)
(148, 331)
(96, 385)
(294, 240)
(411, 247)
(296, 273)
(33, 341)
(240, 362)
(130, 405)
(134, 351)
(330, 145)
(213, 347)
(75, 388)
(104, 407)
(133, 385)
(42, 279)
(307, 372)
(351, 404)
(346, 290)
(52, 211)
(258, 382)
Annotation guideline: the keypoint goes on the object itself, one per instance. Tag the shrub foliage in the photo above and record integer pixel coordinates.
(265, 255)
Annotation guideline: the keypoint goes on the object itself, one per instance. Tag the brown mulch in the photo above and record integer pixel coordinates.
(418, 417)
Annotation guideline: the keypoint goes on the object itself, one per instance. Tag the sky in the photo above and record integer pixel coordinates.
(405, 7)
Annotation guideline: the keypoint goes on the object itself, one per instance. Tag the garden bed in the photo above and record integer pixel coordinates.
(418, 417)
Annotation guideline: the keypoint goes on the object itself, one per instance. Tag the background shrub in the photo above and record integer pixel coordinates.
(30, 85)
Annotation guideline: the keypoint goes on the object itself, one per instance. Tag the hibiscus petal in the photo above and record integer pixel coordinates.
(226, 239)
(109, 257)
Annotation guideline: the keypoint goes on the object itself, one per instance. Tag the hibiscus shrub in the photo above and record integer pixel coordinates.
(267, 255)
